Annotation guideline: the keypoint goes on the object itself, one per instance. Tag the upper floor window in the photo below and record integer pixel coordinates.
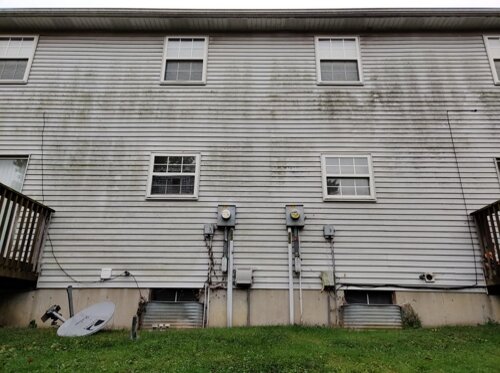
(173, 176)
(185, 60)
(338, 60)
(347, 177)
(493, 50)
(16, 56)
(12, 171)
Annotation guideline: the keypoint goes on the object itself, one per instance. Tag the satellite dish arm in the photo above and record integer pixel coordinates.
(53, 314)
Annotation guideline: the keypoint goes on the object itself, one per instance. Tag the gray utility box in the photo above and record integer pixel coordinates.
(295, 215)
(244, 277)
(226, 216)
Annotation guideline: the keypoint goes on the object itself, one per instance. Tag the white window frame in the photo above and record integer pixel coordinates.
(203, 80)
(496, 161)
(491, 58)
(193, 196)
(371, 181)
(30, 59)
(318, 61)
(18, 156)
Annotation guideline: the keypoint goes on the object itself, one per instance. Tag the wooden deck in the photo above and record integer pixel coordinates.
(23, 229)
(488, 227)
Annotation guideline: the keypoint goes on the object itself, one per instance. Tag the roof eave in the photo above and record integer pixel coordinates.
(334, 20)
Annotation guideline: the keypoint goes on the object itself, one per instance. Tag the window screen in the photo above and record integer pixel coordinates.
(338, 60)
(348, 176)
(493, 50)
(185, 59)
(12, 171)
(173, 175)
(15, 56)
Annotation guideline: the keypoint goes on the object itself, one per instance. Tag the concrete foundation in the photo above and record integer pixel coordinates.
(254, 307)
(19, 309)
(440, 308)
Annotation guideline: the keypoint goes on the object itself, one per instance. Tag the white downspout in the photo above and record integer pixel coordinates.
(229, 302)
(290, 277)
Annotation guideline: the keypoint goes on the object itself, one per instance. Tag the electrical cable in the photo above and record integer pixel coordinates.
(420, 287)
(462, 189)
(127, 273)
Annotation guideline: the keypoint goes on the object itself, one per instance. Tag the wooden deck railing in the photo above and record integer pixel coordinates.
(488, 227)
(23, 228)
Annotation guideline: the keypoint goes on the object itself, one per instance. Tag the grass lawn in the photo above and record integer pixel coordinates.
(262, 349)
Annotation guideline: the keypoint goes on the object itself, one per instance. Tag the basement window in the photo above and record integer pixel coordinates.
(347, 178)
(185, 60)
(338, 61)
(16, 57)
(173, 176)
(368, 297)
(175, 295)
(492, 44)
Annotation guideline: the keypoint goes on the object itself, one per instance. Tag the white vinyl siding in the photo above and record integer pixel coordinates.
(347, 177)
(184, 60)
(338, 60)
(261, 129)
(493, 50)
(173, 176)
(16, 57)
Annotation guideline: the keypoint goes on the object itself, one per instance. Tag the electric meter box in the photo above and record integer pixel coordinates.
(226, 216)
(295, 215)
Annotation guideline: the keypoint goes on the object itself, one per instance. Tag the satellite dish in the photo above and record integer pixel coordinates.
(87, 321)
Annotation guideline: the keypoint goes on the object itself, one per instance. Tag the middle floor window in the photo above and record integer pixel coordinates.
(347, 177)
(173, 176)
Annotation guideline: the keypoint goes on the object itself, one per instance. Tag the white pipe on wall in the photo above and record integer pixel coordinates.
(208, 307)
(229, 302)
(300, 298)
(290, 277)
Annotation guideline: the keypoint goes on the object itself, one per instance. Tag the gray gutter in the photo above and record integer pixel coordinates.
(259, 13)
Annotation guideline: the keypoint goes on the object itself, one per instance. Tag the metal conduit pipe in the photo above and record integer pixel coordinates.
(290, 277)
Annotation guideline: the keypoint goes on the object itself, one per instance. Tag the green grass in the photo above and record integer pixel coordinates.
(263, 349)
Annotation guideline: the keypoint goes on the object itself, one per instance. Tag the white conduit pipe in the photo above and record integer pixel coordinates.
(300, 284)
(290, 277)
(229, 302)
(300, 298)
(205, 306)
(208, 306)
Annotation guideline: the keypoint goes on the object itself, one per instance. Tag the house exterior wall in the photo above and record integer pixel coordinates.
(260, 125)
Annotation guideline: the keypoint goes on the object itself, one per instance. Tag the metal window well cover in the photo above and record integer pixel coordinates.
(371, 316)
(176, 314)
